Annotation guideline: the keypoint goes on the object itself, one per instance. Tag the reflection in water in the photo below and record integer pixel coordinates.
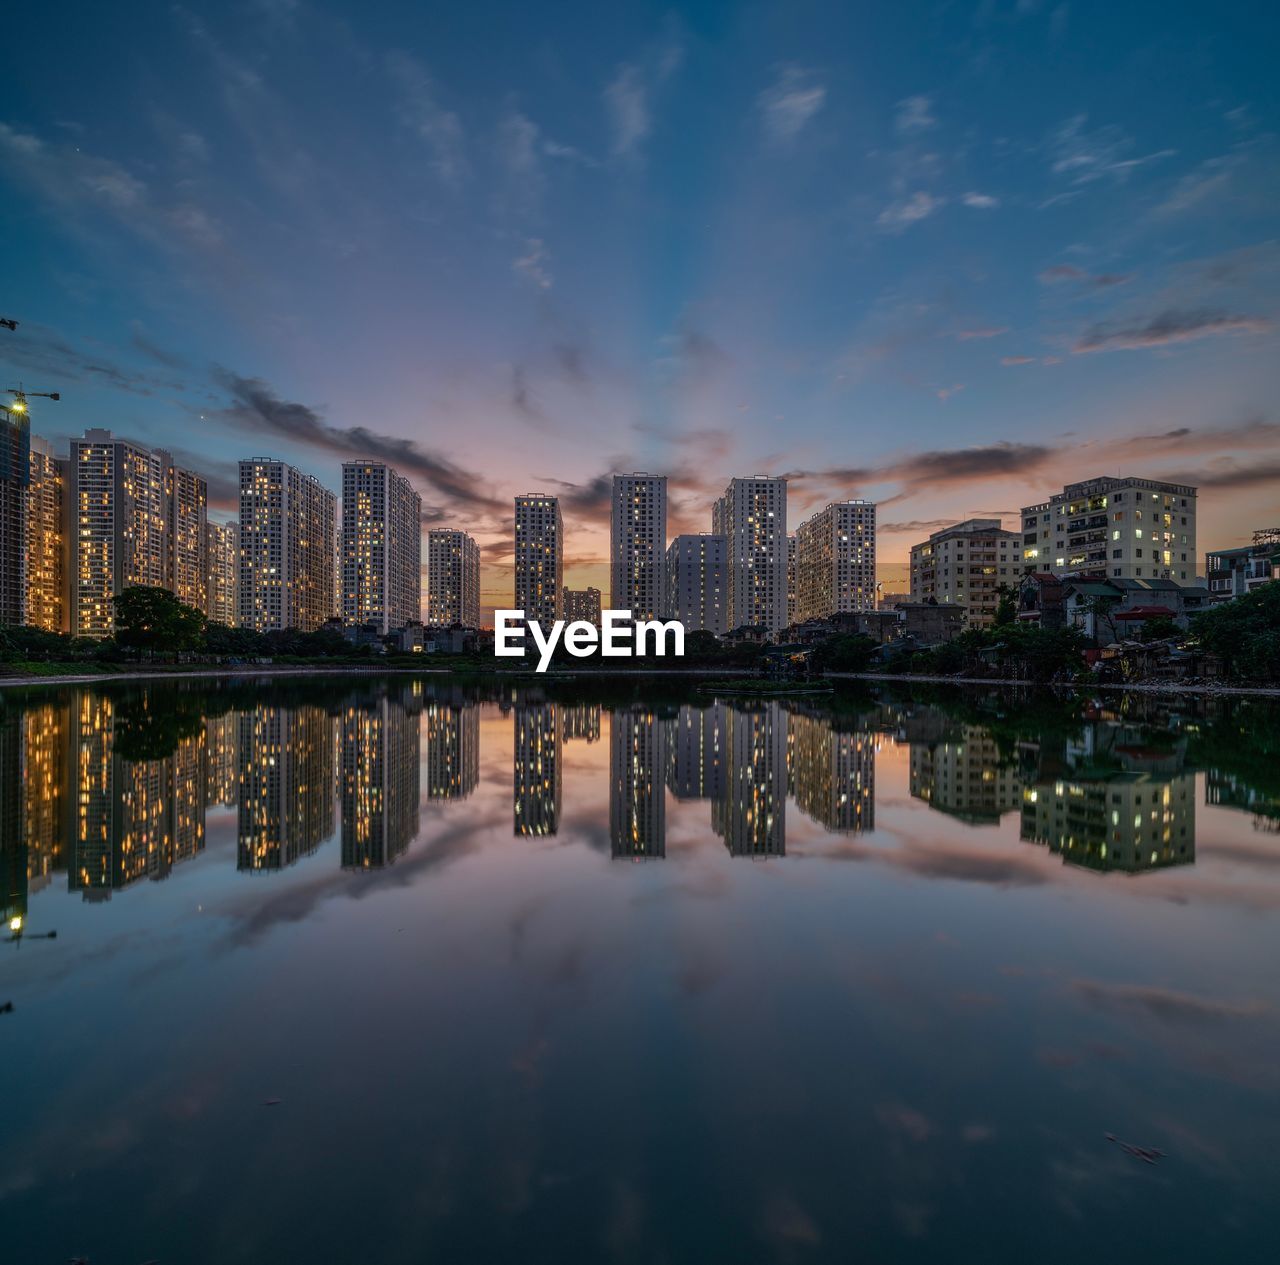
(751, 817)
(536, 772)
(696, 753)
(380, 779)
(963, 775)
(581, 722)
(286, 760)
(833, 774)
(221, 740)
(453, 749)
(637, 797)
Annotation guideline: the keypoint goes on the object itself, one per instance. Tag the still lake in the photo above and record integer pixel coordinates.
(396, 970)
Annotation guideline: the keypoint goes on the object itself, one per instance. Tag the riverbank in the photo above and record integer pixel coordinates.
(1202, 689)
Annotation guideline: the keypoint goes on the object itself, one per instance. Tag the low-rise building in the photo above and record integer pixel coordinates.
(1234, 572)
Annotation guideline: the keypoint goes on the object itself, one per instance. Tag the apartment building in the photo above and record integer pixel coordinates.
(381, 547)
(836, 561)
(453, 579)
(966, 565)
(697, 570)
(539, 558)
(752, 517)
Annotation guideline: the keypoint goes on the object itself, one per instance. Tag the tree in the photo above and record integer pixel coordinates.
(1159, 628)
(1006, 607)
(844, 653)
(1244, 633)
(154, 619)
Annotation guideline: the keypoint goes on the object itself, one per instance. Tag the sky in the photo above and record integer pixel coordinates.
(944, 256)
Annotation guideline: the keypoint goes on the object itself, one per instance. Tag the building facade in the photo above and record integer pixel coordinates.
(453, 579)
(638, 544)
(966, 565)
(286, 548)
(46, 556)
(697, 582)
(15, 477)
(752, 517)
(582, 605)
(1126, 528)
(222, 583)
(118, 527)
(1234, 572)
(186, 510)
(381, 547)
(836, 561)
(539, 558)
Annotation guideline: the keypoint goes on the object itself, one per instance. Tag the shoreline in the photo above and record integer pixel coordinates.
(1172, 687)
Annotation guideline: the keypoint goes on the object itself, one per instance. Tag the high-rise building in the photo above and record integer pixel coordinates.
(582, 605)
(222, 583)
(46, 556)
(836, 561)
(381, 547)
(697, 583)
(539, 552)
(453, 579)
(1127, 528)
(792, 603)
(752, 517)
(286, 548)
(15, 478)
(638, 544)
(637, 800)
(186, 508)
(118, 527)
(967, 564)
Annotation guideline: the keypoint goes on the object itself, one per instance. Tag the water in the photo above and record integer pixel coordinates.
(549, 974)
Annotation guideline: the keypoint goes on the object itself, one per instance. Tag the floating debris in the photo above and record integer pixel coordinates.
(1147, 1154)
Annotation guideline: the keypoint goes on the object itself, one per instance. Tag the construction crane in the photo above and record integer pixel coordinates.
(20, 407)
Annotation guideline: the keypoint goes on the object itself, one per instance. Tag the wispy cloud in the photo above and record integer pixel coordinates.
(790, 102)
(914, 114)
(1058, 274)
(980, 201)
(981, 331)
(1167, 327)
(1166, 1004)
(1083, 156)
(904, 213)
(420, 111)
(535, 264)
(628, 97)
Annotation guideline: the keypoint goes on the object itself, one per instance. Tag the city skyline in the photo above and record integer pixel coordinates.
(942, 275)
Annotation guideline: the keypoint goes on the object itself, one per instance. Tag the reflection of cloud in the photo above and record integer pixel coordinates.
(1166, 1004)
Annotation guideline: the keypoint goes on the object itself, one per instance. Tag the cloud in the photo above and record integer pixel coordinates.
(980, 201)
(1227, 474)
(256, 407)
(913, 526)
(519, 147)
(1165, 1004)
(945, 393)
(1167, 327)
(420, 113)
(1086, 156)
(982, 331)
(594, 497)
(789, 103)
(913, 115)
(1059, 273)
(628, 97)
(902, 214)
(534, 264)
(1017, 360)
(57, 359)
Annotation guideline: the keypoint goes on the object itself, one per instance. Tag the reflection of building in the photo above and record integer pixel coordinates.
(46, 788)
(963, 775)
(637, 799)
(381, 547)
(1133, 822)
(222, 547)
(1227, 790)
(221, 740)
(453, 579)
(539, 558)
(751, 818)
(380, 780)
(287, 549)
(286, 785)
(752, 516)
(833, 773)
(537, 774)
(697, 582)
(696, 753)
(46, 604)
(453, 749)
(581, 721)
(13, 845)
(836, 561)
(134, 819)
(637, 545)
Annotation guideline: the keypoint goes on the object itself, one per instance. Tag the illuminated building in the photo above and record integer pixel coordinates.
(222, 549)
(453, 579)
(286, 760)
(453, 749)
(221, 741)
(539, 558)
(966, 565)
(186, 507)
(15, 477)
(582, 605)
(581, 721)
(46, 788)
(964, 776)
(638, 545)
(381, 547)
(792, 593)
(751, 818)
(46, 560)
(697, 582)
(118, 527)
(836, 561)
(637, 799)
(286, 548)
(380, 781)
(1128, 528)
(752, 517)
(832, 773)
(536, 774)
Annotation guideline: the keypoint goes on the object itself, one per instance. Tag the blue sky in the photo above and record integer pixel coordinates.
(947, 256)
